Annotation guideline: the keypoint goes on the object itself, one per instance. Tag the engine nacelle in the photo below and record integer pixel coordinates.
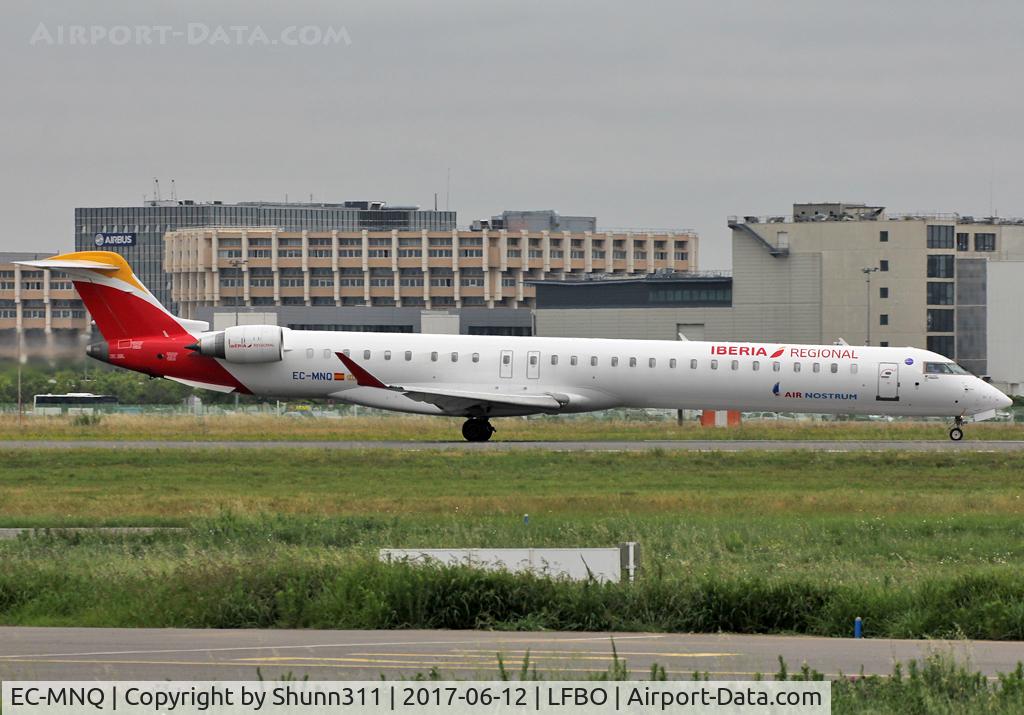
(244, 344)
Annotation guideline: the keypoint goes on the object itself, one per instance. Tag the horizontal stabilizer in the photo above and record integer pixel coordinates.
(70, 264)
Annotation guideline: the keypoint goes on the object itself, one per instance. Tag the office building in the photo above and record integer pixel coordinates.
(137, 232)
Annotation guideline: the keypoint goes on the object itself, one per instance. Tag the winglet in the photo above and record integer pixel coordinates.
(363, 378)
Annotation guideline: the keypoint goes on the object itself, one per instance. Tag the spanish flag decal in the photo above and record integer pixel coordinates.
(339, 376)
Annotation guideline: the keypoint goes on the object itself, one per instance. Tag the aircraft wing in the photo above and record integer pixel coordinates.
(457, 401)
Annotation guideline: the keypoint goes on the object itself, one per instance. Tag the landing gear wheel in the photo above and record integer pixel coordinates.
(956, 434)
(477, 430)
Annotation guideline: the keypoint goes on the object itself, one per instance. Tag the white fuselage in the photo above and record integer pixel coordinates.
(589, 374)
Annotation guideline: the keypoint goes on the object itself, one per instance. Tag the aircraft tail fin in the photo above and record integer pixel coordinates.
(115, 298)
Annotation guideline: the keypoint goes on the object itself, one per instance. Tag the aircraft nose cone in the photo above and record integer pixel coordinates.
(1002, 401)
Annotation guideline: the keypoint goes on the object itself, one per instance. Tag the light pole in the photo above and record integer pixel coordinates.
(867, 277)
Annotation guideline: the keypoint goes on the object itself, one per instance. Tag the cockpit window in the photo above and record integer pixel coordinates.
(944, 368)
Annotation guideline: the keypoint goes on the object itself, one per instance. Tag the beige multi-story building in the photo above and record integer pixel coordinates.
(400, 269)
(40, 312)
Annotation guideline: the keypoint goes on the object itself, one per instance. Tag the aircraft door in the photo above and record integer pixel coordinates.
(888, 382)
(533, 365)
(505, 367)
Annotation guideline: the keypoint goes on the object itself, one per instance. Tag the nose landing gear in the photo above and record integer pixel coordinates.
(477, 429)
(957, 433)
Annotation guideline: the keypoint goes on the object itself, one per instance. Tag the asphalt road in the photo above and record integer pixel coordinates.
(157, 654)
(937, 445)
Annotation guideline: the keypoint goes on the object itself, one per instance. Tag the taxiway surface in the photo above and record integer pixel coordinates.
(208, 654)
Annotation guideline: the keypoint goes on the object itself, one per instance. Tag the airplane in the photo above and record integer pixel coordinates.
(484, 377)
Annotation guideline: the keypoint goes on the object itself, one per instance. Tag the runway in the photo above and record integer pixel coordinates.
(705, 445)
(157, 654)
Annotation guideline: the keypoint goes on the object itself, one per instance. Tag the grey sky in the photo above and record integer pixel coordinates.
(671, 114)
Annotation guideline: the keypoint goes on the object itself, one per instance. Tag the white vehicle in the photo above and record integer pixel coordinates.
(480, 377)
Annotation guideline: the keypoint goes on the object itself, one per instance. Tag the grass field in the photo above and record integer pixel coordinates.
(919, 545)
(396, 427)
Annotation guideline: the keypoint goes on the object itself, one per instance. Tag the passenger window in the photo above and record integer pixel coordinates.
(573, 360)
(756, 365)
(309, 353)
(533, 358)
(476, 357)
(735, 364)
(455, 357)
(853, 368)
(693, 364)
(796, 367)
(366, 355)
(672, 363)
(408, 355)
(593, 361)
(433, 357)
(632, 362)
(651, 362)
(346, 352)
(776, 366)
(554, 359)
(834, 367)
(506, 359)
(714, 364)
(387, 354)
(817, 367)
(615, 362)
(327, 354)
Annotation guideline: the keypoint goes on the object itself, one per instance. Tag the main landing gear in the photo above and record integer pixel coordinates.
(957, 433)
(477, 429)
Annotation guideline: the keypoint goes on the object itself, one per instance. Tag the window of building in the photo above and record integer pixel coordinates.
(883, 236)
(963, 242)
(883, 292)
(714, 364)
(651, 362)
(940, 236)
(883, 266)
(883, 319)
(942, 344)
(940, 293)
(693, 364)
(940, 320)
(984, 242)
(941, 266)
(884, 344)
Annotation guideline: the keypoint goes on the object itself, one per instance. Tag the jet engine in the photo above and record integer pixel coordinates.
(243, 344)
